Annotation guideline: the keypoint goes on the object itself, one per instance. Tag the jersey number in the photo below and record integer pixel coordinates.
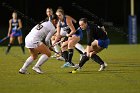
(39, 27)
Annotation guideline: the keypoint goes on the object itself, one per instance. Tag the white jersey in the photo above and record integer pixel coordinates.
(40, 32)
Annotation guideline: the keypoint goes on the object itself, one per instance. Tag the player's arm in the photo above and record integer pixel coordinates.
(89, 41)
(71, 26)
(73, 20)
(58, 36)
(20, 24)
(10, 27)
(48, 37)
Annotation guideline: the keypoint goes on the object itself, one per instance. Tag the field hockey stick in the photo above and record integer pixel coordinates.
(62, 40)
(51, 48)
(6, 37)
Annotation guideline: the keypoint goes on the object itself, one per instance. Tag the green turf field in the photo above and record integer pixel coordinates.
(121, 76)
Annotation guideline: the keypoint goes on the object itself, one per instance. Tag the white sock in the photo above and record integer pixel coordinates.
(80, 47)
(27, 63)
(56, 48)
(41, 60)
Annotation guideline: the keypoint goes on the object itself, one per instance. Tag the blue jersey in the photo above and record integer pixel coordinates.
(78, 32)
(64, 26)
(15, 25)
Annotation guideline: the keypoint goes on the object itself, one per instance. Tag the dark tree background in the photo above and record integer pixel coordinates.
(115, 11)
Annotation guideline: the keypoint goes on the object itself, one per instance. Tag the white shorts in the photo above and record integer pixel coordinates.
(31, 43)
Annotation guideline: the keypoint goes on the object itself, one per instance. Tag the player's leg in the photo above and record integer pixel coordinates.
(71, 44)
(46, 53)
(20, 41)
(95, 57)
(80, 49)
(64, 48)
(56, 47)
(29, 60)
(83, 60)
(10, 44)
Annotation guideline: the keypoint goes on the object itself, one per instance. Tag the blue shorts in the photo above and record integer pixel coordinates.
(16, 33)
(79, 33)
(103, 43)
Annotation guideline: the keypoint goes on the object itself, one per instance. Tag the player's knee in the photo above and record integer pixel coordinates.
(70, 44)
(34, 57)
(63, 45)
(48, 54)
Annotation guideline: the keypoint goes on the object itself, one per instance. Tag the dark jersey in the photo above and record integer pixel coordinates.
(94, 31)
(15, 24)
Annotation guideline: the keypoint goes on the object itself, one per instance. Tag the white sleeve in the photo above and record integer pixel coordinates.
(48, 37)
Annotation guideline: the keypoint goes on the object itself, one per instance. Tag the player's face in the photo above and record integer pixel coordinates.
(82, 25)
(54, 21)
(59, 15)
(49, 12)
(14, 15)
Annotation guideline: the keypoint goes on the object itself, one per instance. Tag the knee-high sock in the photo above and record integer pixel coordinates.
(79, 48)
(84, 59)
(8, 48)
(41, 60)
(97, 59)
(65, 55)
(70, 55)
(27, 63)
(22, 47)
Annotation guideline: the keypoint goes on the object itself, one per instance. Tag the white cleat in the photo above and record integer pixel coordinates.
(76, 65)
(79, 69)
(103, 66)
(22, 71)
(38, 70)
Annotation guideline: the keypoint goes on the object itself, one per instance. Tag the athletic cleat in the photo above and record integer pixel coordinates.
(79, 69)
(60, 58)
(67, 64)
(72, 64)
(103, 66)
(76, 65)
(21, 71)
(38, 70)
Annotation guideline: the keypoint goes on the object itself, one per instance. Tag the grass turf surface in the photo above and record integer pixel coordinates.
(121, 76)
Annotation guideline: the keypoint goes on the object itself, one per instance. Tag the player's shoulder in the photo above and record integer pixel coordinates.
(68, 17)
(10, 20)
(19, 20)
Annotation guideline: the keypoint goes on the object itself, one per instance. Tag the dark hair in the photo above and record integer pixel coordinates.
(84, 20)
(54, 17)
